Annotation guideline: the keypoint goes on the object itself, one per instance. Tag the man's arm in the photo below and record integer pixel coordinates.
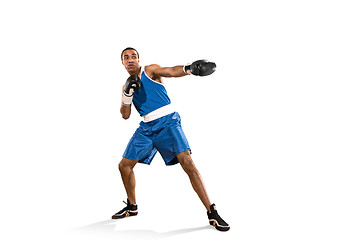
(197, 68)
(155, 72)
(132, 84)
(125, 110)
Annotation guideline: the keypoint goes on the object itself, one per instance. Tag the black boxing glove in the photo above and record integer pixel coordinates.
(132, 84)
(200, 68)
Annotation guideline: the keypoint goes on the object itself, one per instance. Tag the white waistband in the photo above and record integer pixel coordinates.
(158, 113)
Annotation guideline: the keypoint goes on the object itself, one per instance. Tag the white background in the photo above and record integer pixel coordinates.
(274, 131)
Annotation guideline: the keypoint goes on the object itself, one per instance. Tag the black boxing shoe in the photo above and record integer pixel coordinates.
(129, 210)
(216, 221)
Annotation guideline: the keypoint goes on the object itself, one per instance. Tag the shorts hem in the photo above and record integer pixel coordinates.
(175, 161)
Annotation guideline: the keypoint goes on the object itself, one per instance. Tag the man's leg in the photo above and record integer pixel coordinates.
(197, 183)
(128, 177)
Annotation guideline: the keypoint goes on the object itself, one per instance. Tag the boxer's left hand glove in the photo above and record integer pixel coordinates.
(132, 84)
(200, 68)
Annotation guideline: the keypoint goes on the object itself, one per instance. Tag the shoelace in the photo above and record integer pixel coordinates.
(128, 205)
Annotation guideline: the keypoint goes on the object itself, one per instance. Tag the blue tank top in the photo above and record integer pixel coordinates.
(150, 96)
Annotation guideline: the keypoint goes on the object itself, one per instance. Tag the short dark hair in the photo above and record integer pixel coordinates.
(128, 48)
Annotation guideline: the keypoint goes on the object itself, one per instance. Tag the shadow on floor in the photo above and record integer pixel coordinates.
(108, 227)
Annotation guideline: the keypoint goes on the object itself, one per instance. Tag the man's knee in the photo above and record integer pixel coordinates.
(126, 164)
(187, 162)
(123, 164)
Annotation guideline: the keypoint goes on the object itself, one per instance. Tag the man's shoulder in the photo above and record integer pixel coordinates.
(151, 67)
(150, 72)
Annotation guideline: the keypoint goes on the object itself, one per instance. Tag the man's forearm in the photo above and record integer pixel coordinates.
(177, 71)
(125, 111)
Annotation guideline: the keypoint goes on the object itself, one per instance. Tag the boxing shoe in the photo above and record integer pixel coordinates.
(215, 220)
(129, 210)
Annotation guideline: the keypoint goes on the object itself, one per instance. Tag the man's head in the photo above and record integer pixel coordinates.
(130, 60)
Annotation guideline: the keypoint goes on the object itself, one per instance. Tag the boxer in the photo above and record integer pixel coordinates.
(161, 130)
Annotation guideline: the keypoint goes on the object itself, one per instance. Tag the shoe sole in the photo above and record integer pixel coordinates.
(126, 214)
(219, 227)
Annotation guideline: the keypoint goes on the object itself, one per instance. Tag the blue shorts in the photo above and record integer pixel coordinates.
(164, 134)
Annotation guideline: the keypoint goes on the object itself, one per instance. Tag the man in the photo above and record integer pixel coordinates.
(160, 130)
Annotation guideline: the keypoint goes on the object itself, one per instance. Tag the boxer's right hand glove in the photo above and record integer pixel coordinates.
(132, 84)
(200, 68)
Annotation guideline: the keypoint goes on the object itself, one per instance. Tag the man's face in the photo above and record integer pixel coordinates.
(130, 61)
